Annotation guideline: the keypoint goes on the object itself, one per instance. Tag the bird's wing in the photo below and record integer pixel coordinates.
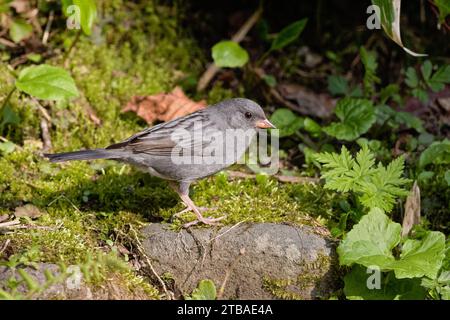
(162, 138)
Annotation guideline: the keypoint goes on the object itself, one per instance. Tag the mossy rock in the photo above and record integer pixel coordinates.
(249, 260)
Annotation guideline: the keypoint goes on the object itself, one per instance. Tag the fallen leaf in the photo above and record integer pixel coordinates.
(412, 210)
(4, 217)
(20, 5)
(308, 102)
(163, 106)
(28, 210)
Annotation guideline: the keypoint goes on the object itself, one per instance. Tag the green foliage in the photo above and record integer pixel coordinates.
(419, 83)
(337, 85)
(356, 288)
(88, 14)
(288, 35)
(47, 82)
(437, 153)
(20, 30)
(369, 60)
(286, 121)
(444, 9)
(356, 115)
(206, 290)
(229, 54)
(375, 186)
(371, 243)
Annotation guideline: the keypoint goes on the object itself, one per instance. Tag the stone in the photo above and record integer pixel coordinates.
(250, 261)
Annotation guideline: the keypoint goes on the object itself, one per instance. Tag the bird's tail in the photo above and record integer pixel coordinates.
(81, 155)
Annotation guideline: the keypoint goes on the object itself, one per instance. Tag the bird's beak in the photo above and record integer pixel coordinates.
(264, 124)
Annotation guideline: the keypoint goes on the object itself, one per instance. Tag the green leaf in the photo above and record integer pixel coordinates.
(412, 80)
(426, 69)
(447, 177)
(437, 153)
(8, 116)
(369, 60)
(206, 290)
(420, 94)
(421, 258)
(229, 54)
(384, 186)
(356, 115)
(47, 82)
(337, 85)
(7, 147)
(390, 288)
(444, 9)
(289, 34)
(440, 78)
(34, 57)
(88, 14)
(371, 241)
(312, 126)
(270, 80)
(286, 121)
(410, 121)
(20, 30)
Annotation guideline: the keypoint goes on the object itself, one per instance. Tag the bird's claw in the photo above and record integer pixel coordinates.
(208, 221)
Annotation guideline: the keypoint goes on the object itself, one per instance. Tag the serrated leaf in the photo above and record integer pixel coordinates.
(47, 82)
(426, 69)
(229, 54)
(421, 258)
(337, 85)
(356, 115)
(410, 121)
(440, 78)
(437, 153)
(20, 30)
(390, 288)
(371, 241)
(286, 121)
(88, 14)
(411, 80)
(289, 34)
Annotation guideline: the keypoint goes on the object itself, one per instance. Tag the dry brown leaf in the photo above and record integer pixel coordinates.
(4, 217)
(28, 210)
(163, 106)
(412, 210)
(20, 5)
(307, 102)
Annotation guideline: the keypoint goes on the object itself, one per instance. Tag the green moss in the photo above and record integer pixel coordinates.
(310, 276)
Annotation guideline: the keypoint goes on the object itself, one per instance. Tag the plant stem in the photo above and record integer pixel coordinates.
(77, 37)
(8, 97)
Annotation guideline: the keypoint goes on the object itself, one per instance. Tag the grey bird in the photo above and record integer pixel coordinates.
(187, 148)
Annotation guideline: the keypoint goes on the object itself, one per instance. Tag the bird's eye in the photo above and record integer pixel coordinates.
(248, 115)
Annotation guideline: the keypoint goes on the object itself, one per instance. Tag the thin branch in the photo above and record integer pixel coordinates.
(209, 74)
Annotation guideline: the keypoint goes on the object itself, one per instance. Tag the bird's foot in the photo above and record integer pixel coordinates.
(208, 221)
(200, 209)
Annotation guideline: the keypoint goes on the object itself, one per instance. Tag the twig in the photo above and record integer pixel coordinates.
(228, 272)
(207, 76)
(147, 259)
(5, 246)
(42, 110)
(229, 229)
(48, 27)
(9, 223)
(288, 179)
(45, 136)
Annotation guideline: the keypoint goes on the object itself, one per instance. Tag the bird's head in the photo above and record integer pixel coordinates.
(245, 114)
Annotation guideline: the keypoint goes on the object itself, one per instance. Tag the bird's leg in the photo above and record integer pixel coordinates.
(183, 192)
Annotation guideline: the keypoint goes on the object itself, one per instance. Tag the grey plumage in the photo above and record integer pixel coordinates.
(153, 149)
